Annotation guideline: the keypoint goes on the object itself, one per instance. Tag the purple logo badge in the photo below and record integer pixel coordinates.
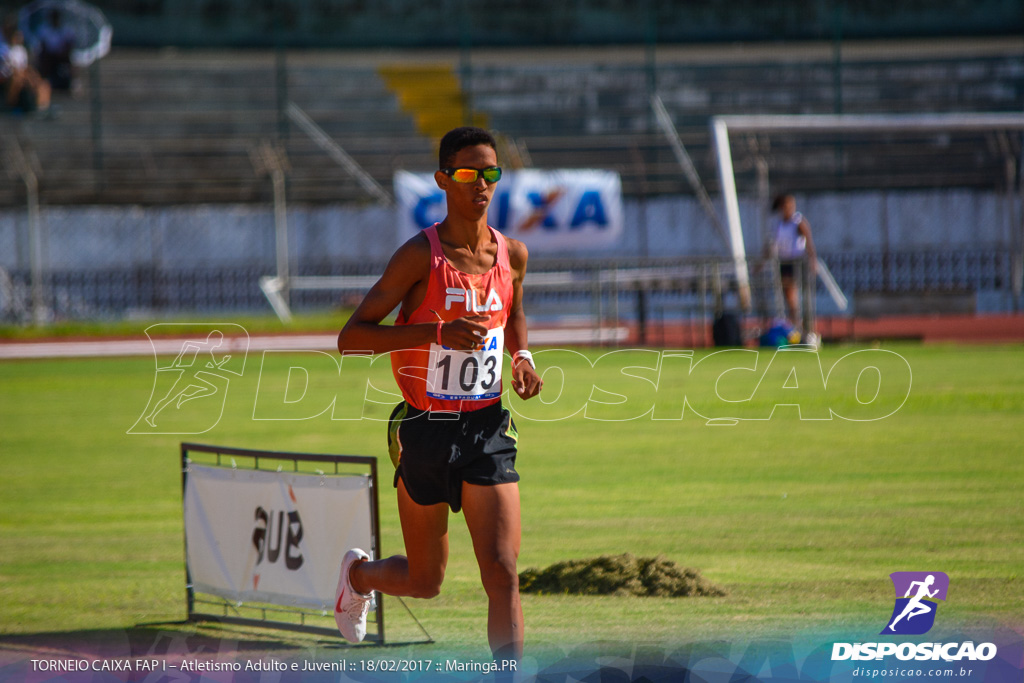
(916, 596)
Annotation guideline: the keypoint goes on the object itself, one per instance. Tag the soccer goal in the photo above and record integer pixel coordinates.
(940, 194)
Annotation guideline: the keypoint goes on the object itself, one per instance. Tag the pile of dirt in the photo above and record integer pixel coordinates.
(618, 575)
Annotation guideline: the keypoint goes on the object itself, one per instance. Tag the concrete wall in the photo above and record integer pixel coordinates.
(96, 238)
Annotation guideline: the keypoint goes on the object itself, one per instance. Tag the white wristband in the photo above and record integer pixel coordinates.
(522, 355)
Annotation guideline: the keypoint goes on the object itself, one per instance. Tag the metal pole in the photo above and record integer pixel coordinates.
(25, 167)
(281, 90)
(266, 159)
(335, 151)
(615, 302)
(643, 232)
(641, 315)
(808, 300)
(886, 253)
(704, 305)
(377, 551)
(1016, 217)
(763, 198)
(96, 117)
(870, 122)
(281, 230)
(650, 47)
(689, 170)
(732, 209)
(1019, 229)
(837, 71)
(465, 62)
(837, 54)
(35, 237)
(190, 595)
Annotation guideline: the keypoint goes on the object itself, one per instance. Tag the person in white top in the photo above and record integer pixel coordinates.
(792, 244)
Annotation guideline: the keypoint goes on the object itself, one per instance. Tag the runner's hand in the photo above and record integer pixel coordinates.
(525, 380)
(464, 333)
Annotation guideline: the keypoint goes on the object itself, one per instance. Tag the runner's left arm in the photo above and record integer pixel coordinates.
(525, 379)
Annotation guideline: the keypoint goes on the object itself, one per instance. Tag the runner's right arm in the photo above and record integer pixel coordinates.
(403, 279)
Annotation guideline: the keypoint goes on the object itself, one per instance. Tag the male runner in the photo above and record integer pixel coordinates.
(459, 284)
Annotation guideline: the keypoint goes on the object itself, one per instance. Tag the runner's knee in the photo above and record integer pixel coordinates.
(426, 585)
(499, 574)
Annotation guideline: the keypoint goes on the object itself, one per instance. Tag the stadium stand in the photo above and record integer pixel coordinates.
(180, 129)
(166, 127)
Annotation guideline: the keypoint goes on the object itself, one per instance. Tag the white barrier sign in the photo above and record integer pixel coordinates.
(563, 209)
(272, 537)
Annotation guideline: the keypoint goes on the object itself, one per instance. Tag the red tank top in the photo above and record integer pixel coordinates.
(433, 377)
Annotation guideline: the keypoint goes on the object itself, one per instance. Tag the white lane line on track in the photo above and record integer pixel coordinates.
(319, 342)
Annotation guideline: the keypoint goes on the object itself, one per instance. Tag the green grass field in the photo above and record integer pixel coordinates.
(800, 521)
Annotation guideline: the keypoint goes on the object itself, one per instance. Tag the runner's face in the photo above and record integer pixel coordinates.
(789, 208)
(470, 199)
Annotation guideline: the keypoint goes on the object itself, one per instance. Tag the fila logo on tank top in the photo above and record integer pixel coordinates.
(471, 299)
(434, 377)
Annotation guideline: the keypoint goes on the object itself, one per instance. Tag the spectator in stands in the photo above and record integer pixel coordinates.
(23, 87)
(53, 43)
(793, 246)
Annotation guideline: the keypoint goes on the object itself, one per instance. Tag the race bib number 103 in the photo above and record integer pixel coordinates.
(467, 375)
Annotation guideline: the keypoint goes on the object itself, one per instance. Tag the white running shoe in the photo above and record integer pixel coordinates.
(350, 607)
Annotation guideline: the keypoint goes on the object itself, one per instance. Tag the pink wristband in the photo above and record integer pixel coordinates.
(439, 342)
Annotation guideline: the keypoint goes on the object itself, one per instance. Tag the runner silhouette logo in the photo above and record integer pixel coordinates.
(917, 594)
(190, 388)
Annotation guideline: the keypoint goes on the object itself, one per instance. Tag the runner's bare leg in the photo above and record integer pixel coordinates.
(418, 573)
(492, 515)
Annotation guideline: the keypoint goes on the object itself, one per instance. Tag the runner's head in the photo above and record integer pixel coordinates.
(469, 172)
(784, 204)
(460, 138)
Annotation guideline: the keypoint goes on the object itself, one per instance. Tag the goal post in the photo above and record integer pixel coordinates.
(877, 151)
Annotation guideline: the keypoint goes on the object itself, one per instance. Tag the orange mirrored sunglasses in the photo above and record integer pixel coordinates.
(491, 174)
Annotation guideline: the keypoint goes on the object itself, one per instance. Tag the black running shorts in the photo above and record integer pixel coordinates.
(434, 453)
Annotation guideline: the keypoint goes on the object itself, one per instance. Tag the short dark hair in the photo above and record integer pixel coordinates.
(460, 138)
(779, 200)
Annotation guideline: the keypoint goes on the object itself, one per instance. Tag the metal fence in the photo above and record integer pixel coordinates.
(601, 292)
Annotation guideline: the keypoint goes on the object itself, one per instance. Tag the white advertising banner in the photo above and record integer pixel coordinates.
(272, 537)
(561, 209)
